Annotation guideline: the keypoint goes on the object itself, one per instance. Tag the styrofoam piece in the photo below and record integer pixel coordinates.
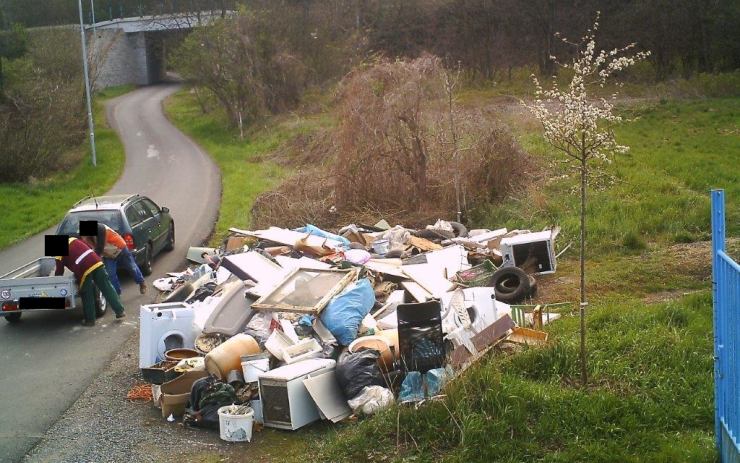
(488, 236)
(323, 332)
(232, 312)
(416, 291)
(387, 266)
(276, 343)
(305, 349)
(452, 259)
(430, 277)
(388, 322)
(203, 310)
(289, 330)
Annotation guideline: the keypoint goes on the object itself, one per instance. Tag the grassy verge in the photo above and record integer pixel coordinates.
(29, 208)
(245, 171)
(659, 195)
(650, 363)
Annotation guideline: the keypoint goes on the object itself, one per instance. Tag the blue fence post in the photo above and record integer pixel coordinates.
(718, 244)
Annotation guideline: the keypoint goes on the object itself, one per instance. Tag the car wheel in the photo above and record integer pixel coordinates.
(146, 267)
(101, 305)
(13, 317)
(170, 244)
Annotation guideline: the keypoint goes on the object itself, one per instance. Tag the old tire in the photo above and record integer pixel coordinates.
(13, 317)
(459, 229)
(510, 284)
(101, 305)
(170, 244)
(435, 234)
(146, 267)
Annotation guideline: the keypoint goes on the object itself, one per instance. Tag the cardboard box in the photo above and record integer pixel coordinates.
(175, 393)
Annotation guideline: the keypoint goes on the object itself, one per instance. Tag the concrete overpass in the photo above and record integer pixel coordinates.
(132, 50)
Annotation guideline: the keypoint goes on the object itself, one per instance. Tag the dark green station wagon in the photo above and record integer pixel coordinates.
(147, 228)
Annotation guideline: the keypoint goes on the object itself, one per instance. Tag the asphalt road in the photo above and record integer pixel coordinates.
(48, 359)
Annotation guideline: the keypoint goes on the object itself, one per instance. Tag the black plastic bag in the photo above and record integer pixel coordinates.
(358, 370)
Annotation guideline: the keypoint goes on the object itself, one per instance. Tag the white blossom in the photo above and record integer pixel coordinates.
(573, 122)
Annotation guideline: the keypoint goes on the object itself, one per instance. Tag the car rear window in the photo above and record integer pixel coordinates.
(71, 223)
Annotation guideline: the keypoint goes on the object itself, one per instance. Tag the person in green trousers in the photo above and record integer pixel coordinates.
(90, 273)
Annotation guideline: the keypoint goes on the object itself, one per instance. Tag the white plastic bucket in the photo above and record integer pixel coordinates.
(253, 366)
(235, 428)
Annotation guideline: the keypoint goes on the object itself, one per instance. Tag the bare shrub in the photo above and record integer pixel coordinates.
(396, 151)
(306, 197)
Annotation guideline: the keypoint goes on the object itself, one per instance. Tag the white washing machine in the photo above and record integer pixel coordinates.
(163, 327)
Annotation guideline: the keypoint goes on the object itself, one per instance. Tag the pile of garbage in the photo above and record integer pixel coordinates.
(286, 327)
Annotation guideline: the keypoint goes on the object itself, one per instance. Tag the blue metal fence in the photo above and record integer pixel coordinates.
(726, 295)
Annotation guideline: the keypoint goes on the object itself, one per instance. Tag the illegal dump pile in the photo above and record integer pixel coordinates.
(286, 327)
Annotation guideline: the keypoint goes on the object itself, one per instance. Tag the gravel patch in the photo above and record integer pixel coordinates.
(102, 426)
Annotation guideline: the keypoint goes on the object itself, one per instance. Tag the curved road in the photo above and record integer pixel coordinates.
(48, 359)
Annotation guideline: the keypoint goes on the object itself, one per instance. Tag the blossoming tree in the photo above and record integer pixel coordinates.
(579, 126)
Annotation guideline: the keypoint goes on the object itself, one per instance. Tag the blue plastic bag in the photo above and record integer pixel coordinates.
(316, 231)
(343, 315)
(436, 379)
(412, 388)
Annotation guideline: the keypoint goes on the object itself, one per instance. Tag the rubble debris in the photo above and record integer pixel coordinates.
(267, 314)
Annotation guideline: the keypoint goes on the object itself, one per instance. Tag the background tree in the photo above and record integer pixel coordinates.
(580, 127)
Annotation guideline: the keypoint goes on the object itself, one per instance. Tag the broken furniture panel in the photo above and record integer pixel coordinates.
(325, 391)
(528, 336)
(232, 313)
(254, 266)
(306, 290)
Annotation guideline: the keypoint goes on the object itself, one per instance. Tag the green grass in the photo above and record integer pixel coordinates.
(245, 170)
(650, 399)
(650, 364)
(679, 151)
(29, 208)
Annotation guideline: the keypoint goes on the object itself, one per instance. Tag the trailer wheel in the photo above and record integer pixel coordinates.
(13, 317)
(100, 304)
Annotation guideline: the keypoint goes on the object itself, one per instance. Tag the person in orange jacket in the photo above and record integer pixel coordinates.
(109, 245)
(89, 273)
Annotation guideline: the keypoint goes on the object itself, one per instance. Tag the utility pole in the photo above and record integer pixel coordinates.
(90, 122)
(92, 12)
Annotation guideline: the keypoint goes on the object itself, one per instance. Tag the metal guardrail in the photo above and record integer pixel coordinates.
(726, 296)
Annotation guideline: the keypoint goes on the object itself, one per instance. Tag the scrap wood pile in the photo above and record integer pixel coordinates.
(301, 325)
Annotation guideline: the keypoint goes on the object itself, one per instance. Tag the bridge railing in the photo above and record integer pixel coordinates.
(726, 296)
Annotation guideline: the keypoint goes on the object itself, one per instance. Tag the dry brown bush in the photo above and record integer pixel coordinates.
(394, 156)
(396, 150)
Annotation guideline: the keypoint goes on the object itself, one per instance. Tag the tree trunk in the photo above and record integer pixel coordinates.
(582, 307)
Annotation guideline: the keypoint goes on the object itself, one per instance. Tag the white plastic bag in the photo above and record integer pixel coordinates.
(371, 400)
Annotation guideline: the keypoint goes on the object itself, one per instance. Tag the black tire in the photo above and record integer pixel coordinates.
(146, 266)
(459, 229)
(503, 278)
(101, 305)
(13, 317)
(434, 234)
(170, 244)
